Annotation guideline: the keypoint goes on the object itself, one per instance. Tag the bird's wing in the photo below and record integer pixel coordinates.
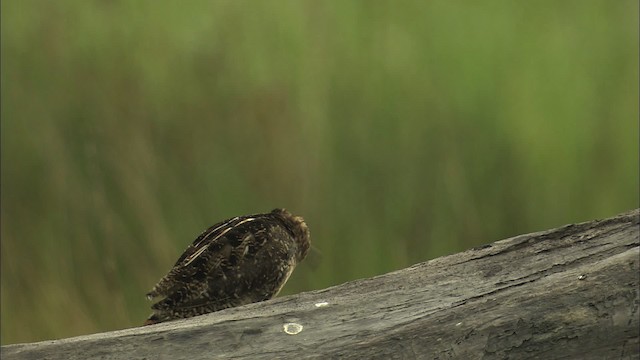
(230, 276)
(210, 239)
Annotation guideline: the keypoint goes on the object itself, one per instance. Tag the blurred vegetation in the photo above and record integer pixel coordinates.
(401, 131)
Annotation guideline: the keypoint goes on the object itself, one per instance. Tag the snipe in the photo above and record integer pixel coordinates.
(238, 261)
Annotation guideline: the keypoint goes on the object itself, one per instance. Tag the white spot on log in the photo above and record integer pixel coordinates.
(321, 304)
(292, 328)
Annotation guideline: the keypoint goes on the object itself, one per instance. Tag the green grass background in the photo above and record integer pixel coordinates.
(401, 131)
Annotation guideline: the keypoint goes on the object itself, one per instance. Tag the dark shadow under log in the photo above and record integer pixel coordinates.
(570, 292)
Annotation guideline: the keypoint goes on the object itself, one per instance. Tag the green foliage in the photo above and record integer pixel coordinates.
(401, 131)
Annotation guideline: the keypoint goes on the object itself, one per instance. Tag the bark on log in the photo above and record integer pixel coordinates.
(566, 293)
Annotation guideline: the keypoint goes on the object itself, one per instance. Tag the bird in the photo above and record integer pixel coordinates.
(238, 261)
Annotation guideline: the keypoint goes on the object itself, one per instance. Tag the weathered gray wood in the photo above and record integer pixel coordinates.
(568, 293)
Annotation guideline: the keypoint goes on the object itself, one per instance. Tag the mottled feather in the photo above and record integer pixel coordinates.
(238, 261)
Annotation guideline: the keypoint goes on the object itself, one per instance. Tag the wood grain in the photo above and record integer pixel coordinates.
(565, 293)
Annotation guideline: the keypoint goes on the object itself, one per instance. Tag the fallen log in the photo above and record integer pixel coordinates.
(570, 292)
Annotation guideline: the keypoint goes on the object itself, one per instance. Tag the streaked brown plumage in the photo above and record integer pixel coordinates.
(238, 261)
